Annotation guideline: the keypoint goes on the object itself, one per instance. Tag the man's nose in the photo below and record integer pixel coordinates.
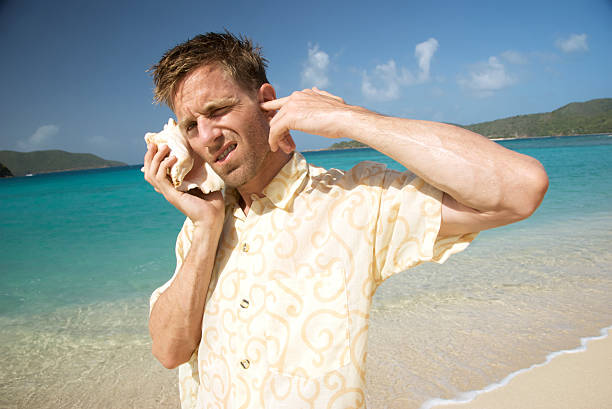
(207, 132)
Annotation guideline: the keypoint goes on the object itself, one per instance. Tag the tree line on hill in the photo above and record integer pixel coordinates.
(23, 163)
(4, 171)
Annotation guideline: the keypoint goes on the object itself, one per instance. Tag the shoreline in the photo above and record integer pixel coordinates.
(509, 138)
(52, 172)
(571, 378)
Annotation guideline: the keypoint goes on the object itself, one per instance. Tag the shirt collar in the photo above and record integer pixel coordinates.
(283, 188)
(288, 183)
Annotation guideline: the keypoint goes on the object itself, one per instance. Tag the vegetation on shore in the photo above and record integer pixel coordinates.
(591, 117)
(348, 145)
(5, 172)
(24, 163)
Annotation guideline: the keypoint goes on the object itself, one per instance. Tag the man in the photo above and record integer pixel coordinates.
(269, 303)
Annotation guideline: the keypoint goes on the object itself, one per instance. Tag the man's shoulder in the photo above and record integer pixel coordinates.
(365, 173)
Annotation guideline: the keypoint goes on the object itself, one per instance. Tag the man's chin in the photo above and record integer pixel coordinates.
(232, 179)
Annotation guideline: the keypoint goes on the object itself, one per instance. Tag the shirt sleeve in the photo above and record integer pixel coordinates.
(408, 221)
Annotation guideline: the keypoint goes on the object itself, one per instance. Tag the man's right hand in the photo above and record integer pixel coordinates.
(204, 210)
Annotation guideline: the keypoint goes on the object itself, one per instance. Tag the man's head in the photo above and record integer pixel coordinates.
(215, 84)
(237, 56)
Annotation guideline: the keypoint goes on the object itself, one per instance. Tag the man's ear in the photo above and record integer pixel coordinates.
(266, 93)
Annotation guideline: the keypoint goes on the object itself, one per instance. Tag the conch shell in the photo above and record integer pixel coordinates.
(203, 177)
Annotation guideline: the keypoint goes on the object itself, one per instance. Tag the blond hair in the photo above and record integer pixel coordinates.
(237, 55)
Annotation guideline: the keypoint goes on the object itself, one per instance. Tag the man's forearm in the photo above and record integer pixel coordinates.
(486, 185)
(475, 171)
(175, 323)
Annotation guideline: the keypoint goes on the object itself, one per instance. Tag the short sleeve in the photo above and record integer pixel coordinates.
(408, 222)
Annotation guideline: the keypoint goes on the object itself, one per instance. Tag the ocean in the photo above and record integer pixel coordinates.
(82, 251)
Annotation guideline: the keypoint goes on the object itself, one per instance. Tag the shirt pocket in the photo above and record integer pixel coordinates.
(307, 328)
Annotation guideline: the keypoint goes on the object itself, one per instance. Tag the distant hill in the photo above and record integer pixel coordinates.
(591, 117)
(348, 145)
(23, 163)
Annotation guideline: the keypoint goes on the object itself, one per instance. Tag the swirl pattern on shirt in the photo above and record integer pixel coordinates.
(286, 317)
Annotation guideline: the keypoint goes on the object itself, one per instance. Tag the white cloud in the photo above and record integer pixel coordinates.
(424, 52)
(38, 139)
(574, 43)
(387, 79)
(315, 70)
(514, 57)
(485, 78)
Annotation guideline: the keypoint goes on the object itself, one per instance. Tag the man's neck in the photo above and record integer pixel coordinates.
(272, 165)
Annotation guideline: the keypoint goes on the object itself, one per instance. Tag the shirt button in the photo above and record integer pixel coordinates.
(244, 303)
(245, 247)
(245, 363)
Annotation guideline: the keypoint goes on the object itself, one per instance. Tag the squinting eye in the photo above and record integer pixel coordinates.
(218, 112)
(190, 126)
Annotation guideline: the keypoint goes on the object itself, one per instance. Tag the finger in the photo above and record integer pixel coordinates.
(163, 181)
(287, 144)
(278, 141)
(161, 153)
(151, 150)
(273, 140)
(164, 167)
(277, 131)
(274, 104)
(320, 91)
(272, 143)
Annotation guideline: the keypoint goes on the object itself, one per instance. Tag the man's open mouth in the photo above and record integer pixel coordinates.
(226, 152)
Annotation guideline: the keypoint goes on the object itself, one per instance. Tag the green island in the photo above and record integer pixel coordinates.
(30, 163)
(4, 171)
(576, 118)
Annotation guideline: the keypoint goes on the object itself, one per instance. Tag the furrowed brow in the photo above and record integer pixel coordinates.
(183, 124)
(219, 103)
(210, 107)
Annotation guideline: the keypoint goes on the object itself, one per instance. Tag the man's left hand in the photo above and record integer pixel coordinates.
(312, 111)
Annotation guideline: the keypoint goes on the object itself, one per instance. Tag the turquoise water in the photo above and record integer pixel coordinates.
(82, 251)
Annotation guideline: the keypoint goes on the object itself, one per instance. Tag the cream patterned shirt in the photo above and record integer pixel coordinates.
(286, 317)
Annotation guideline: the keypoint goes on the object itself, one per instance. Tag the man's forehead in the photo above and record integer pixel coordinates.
(202, 77)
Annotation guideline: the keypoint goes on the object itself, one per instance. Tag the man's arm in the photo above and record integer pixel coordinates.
(175, 323)
(485, 184)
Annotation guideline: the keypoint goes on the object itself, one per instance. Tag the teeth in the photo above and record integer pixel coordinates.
(226, 152)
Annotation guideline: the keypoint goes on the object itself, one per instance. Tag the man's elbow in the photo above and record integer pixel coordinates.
(534, 188)
(171, 357)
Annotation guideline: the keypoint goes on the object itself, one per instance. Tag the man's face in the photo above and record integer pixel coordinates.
(224, 124)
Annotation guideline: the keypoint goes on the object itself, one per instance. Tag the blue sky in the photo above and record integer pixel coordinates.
(73, 73)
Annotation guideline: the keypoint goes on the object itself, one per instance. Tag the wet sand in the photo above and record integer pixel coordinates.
(576, 380)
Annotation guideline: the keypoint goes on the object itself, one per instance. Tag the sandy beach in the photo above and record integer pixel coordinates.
(576, 380)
